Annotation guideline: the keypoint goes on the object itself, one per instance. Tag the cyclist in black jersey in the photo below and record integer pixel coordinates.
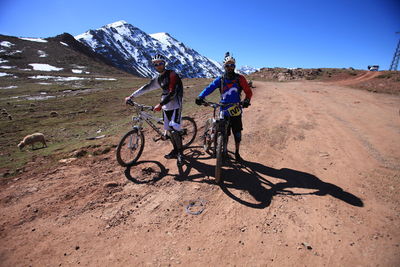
(171, 101)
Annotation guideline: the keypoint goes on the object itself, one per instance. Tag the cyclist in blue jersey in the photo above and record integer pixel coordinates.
(230, 86)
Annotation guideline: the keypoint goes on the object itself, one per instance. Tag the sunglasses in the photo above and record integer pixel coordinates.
(158, 64)
(230, 65)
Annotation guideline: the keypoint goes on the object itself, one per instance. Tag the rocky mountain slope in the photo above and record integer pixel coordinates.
(63, 53)
(131, 49)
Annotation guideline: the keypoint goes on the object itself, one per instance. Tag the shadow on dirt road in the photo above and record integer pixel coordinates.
(148, 174)
(249, 177)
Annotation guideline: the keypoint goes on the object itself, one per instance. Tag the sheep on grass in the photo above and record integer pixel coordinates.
(32, 139)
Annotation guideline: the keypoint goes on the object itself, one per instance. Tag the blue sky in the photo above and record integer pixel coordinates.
(308, 34)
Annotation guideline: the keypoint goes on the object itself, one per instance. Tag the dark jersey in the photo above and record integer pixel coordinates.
(172, 89)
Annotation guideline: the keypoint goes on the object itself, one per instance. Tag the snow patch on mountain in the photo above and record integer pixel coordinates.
(7, 67)
(44, 67)
(38, 40)
(247, 70)
(6, 44)
(42, 53)
(9, 87)
(216, 63)
(57, 78)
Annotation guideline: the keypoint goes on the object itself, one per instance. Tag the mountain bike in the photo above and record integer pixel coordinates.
(215, 137)
(131, 146)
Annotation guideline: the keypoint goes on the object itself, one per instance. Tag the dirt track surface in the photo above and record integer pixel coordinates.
(362, 78)
(318, 188)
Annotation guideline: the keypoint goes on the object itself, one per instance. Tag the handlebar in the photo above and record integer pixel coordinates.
(139, 106)
(216, 105)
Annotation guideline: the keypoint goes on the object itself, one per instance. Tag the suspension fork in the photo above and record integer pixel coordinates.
(222, 127)
(133, 142)
(225, 133)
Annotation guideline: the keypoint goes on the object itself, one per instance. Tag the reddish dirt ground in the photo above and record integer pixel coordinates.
(318, 188)
(363, 77)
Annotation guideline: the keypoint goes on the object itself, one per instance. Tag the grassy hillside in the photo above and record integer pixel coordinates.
(96, 110)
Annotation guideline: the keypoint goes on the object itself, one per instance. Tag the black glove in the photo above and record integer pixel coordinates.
(128, 100)
(199, 101)
(246, 103)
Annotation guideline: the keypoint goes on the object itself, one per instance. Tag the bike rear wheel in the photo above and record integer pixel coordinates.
(219, 158)
(130, 148)
(189, 130)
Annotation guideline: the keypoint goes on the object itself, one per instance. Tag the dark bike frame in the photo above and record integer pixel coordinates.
(219, 133)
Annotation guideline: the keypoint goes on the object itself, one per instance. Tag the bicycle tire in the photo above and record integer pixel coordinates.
(190, 128)
(219, 159)
(132, 154)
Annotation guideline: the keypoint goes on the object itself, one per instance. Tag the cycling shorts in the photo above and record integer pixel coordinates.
(172, 119)
(235, 124)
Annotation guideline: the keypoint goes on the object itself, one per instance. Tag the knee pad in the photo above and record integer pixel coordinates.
(175, 126)
(238, 137)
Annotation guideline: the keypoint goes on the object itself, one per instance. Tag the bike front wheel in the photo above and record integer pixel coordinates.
(219, 158)
(130, 148)
(189, 131)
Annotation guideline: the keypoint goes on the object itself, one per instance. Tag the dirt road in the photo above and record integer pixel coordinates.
(369, 75)
(318, 188)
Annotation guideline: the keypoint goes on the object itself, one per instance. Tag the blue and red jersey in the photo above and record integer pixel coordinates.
(230, 89)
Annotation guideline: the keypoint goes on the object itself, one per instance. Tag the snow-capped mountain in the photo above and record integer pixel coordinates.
(247, 70)
(187, 60)
(131, 49)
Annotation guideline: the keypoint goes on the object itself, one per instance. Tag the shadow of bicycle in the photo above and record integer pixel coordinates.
(252, 177)
(146, 172)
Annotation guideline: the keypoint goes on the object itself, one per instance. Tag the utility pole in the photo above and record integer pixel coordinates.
(396, 57)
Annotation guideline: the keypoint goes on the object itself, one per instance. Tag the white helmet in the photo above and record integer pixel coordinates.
(158, 57)
(229, 58)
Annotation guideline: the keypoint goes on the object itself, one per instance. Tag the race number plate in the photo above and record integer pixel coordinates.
(234, 111)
